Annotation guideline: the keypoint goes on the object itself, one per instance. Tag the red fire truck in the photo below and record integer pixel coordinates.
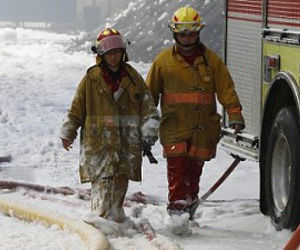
(262, 52)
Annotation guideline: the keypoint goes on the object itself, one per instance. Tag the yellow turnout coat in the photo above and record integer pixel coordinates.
(188, 101)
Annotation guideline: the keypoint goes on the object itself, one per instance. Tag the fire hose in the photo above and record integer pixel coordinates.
(237, 160)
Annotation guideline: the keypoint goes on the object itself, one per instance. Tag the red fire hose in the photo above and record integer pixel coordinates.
(294, 242)
(233, 165)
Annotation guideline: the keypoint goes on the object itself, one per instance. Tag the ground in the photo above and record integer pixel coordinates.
(38, 78)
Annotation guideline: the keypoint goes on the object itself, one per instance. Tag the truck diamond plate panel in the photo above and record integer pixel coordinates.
(244, 63)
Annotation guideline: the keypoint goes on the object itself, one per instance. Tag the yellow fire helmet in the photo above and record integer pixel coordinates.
(186, 19)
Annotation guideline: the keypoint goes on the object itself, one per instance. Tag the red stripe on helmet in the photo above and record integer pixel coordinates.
(195, 17)
(106, 33)
(176, 19)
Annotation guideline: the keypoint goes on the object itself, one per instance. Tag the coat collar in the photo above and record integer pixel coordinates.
(175, 53)
(96, 75)
(125, 81)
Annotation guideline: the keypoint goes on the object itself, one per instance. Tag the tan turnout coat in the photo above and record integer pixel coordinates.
(112, 126)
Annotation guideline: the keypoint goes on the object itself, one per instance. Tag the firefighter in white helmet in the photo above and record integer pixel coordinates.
(186, 78)
(116, 114)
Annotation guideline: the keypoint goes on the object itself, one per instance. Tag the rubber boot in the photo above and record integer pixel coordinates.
(119, 190)
(101, 196)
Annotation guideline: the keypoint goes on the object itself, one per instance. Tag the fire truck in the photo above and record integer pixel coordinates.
(262, 52)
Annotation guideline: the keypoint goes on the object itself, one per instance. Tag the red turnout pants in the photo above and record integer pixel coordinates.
(183, 177)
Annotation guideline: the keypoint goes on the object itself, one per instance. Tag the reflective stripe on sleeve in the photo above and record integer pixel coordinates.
(234, 110)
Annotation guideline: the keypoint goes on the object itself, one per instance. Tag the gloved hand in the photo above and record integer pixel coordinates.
(66, 144)
(237, 127)
(150, 140)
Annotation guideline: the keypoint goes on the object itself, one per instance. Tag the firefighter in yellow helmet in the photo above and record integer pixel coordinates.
(116, 114)
(186, 78)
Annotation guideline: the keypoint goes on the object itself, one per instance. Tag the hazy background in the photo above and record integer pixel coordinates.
(142, 22)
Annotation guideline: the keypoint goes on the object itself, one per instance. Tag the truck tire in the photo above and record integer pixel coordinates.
(282, 183)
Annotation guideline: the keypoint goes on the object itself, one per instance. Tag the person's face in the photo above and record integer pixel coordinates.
(187, 38)
(113, 57)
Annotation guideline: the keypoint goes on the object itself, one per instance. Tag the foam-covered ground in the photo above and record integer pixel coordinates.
(38, 78)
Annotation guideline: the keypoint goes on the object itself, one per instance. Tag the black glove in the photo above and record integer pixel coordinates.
(147, 152)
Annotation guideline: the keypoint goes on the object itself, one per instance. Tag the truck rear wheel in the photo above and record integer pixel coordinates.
(282, 190)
